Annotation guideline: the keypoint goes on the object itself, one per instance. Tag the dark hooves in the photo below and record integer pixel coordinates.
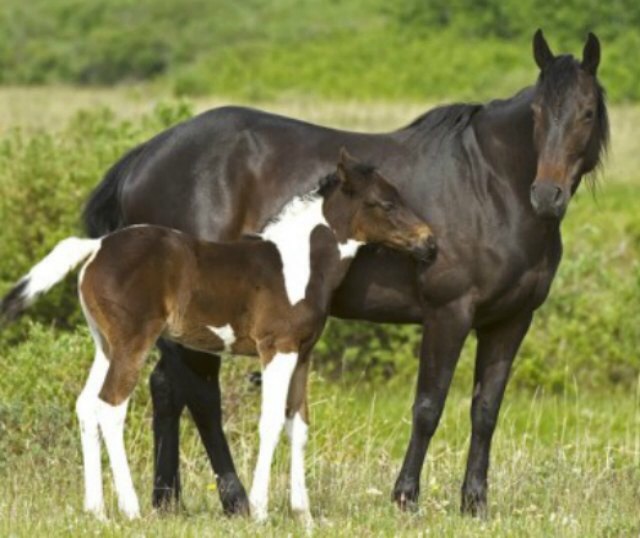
(474, 505)
(166, 500)
(406, 497)
(233, 497)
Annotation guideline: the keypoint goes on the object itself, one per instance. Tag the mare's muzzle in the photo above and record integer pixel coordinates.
(548, 199)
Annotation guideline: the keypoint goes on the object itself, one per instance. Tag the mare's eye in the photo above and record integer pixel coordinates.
(588, 115)
(387, 206)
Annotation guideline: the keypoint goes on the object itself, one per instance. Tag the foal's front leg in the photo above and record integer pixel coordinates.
(276, 377)
(297, 429)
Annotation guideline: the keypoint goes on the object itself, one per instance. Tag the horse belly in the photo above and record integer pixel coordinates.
(218, 339)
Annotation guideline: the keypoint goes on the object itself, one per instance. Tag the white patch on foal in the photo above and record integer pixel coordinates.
(349, 249)
(275, 389)
(291, 233)
(226, 334)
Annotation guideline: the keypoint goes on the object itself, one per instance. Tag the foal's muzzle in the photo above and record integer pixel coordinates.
(426, 250)
(548, 199)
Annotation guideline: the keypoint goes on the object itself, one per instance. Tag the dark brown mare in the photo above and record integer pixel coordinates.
(494, 181)
(266, 297)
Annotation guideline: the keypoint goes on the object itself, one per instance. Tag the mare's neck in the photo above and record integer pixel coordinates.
(504, 131)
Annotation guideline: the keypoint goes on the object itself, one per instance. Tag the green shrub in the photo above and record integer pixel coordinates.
(586, 333)
(410, 49)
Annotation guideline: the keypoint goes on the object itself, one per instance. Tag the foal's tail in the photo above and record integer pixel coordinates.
(64, 258)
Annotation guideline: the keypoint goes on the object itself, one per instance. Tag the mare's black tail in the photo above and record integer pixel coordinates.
(102, 213)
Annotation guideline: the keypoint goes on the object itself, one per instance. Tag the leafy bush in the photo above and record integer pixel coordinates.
(359, 48)
(588, 330)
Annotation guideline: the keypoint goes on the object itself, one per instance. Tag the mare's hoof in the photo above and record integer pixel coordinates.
(233, 497)
(166, 499)
(474, 503)
(405, 495)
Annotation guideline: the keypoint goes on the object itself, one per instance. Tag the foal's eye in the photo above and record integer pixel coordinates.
(387, 206)
(588, 115)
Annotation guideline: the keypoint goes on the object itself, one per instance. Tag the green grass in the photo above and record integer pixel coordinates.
(562, 466)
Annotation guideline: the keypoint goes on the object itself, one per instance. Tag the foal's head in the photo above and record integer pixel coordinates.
(571, 129)
(373, 212)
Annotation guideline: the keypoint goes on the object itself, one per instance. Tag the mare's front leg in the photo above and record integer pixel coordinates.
(276, 377)
(497, 347)
(444, 332)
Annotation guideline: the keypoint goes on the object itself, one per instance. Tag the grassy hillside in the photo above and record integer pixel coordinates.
(261, 49)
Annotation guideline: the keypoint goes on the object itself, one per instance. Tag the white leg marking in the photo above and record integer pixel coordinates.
(297, 430)
(87, 412)
(111, 419)
(225, 333)
(275, 389)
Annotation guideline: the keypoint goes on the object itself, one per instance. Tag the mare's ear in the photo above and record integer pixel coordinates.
(591, 54)
(541, 51)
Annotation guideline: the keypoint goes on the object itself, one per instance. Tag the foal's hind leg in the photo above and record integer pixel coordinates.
(276, 377)
(124, 368)
(87, 412)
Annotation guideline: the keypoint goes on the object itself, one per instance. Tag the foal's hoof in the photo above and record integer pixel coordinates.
(405, 495)
(233, 497)
(304, 517)
(97, 512)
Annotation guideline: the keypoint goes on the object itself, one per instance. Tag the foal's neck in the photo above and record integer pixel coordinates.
(291, 232)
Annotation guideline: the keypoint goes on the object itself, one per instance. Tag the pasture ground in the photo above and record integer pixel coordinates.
(565, 463)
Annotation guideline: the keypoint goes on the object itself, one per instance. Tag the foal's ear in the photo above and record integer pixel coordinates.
(345, 162)
(591, 54)
(346, 158)
(541, 51)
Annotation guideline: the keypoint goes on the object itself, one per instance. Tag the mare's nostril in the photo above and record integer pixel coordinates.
(558, 195)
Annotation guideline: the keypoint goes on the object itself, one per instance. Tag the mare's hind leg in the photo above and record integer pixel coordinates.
(87, 412)
(276, 377)
(297, 428)
(168, 399)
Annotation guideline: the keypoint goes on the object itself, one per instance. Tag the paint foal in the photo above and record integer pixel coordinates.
(268, 297)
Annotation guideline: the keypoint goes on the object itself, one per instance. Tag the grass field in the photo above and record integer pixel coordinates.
(563, 466)
(565, 463)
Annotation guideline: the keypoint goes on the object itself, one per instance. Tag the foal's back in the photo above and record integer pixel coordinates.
(149, 280)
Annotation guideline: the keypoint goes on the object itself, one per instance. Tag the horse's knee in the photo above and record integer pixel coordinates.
(483, 418)
(426, 415)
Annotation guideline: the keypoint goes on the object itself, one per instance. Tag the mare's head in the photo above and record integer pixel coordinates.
(571, 129)
(374, 212)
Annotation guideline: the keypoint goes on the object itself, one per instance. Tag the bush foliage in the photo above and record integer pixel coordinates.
(587, 332)
(259, 49)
